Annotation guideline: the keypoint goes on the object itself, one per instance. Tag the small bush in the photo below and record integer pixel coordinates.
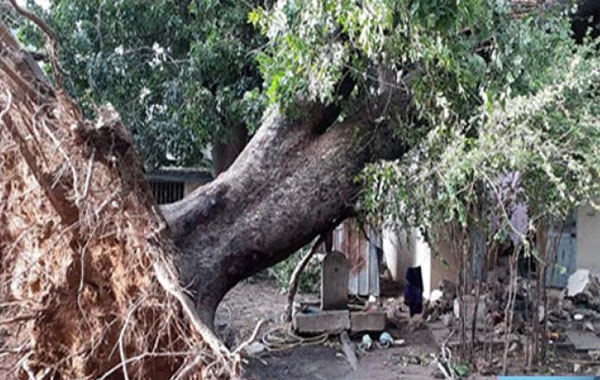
(310, 279)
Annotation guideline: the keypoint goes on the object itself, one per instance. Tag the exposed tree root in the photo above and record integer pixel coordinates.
(87, 284)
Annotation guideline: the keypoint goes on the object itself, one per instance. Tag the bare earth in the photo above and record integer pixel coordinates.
(249, 302)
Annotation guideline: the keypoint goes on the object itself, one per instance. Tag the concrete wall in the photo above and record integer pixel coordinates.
(588, 238)
(398, 252)
(403, 249)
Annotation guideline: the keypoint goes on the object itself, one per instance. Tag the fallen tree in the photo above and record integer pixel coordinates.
(91, 268)
(288, 185)
(89, 288)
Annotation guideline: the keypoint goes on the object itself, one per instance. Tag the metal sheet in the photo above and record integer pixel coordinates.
(557, 275)
(362, 255)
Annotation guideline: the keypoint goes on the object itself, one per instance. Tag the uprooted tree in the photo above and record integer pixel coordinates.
(103, 284)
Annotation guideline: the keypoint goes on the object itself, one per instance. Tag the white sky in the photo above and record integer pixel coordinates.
(43, 3)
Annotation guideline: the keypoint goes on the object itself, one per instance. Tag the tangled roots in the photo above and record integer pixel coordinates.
(87, 286)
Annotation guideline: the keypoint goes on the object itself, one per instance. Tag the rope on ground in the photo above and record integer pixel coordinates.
(283, 338)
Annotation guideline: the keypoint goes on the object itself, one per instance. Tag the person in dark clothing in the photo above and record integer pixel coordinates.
(413, 290)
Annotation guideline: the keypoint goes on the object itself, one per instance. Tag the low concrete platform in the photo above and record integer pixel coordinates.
(367, 321)
(329, 321)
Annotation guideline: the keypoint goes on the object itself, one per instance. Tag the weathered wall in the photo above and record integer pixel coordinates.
(588, 238)
(397, 252)
(188, 187)
(408, 249)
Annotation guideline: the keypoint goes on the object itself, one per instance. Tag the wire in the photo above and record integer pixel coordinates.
(283, 338)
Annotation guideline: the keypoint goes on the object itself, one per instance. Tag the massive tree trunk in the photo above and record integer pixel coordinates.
(290, 184)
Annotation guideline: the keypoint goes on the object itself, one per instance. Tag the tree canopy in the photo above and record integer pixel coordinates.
(494, 88)
(476, 88)
(181, 73)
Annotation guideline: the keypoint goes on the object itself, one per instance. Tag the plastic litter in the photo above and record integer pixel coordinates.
(385, 340)
(366, 343)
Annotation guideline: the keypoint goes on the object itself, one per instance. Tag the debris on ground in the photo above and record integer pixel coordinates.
(254, 349)
(570, 338)
(348, 348)
(365, 343)
(385, 340)
(469, 305)
(584, 340)
(584, 288)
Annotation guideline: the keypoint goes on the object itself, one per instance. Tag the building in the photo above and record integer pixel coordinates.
(587, 239)
(575, 244)
(170, 184)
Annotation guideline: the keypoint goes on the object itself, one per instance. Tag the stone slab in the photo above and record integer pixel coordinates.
(330, 321)
(470, 302)
(439, 331)
(584, 340)
(334, 282)
(363, 321)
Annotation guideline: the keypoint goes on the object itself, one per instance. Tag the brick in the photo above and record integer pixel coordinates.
(330, 321)
(363, 321)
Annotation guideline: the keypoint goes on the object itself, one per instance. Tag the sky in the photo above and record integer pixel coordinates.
(43, 3)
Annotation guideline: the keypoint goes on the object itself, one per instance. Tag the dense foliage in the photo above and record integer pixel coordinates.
(180, 73)
(496, 91)
(534, 128)
(280, 274)
(489, 90)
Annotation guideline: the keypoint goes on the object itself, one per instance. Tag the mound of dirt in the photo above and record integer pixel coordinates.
(87, 284)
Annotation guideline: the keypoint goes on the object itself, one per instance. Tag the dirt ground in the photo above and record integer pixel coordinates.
(249, 302)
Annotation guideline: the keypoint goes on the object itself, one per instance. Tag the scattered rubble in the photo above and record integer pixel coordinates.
(470, 302)
(584, 340)
(254, 349)
(584, 288)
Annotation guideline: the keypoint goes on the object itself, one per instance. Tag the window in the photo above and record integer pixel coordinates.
(166, 192)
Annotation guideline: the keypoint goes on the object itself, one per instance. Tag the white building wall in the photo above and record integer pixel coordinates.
(588, 238)
(403, 250)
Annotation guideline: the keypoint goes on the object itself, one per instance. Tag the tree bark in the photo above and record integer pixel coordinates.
(288, 185)
(225, 152)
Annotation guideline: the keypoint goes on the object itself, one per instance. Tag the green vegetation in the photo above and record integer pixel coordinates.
(180, 73)
(525, 148)
(492, 95)
(497, 106)
(280, 274)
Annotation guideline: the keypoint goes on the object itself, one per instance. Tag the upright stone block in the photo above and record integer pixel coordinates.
(334, 282)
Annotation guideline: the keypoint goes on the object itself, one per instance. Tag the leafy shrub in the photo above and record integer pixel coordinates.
(310, 279)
